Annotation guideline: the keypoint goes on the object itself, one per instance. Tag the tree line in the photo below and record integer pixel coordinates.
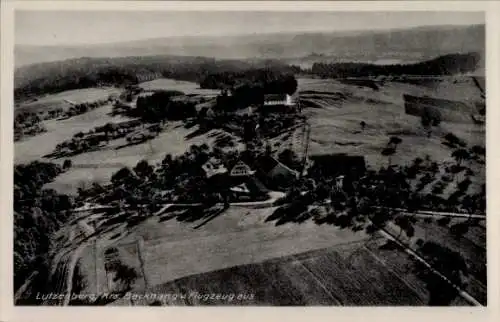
(442, 65)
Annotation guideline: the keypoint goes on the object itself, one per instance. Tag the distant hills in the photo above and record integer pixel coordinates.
(404, 45)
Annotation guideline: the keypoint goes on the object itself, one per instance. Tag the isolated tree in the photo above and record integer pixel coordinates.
(121, 176)
(67, 164)
(394, 141)
(430, 117)
(363, 125)
(405, 225)
(388, 152)
(126, 275)
(460, 155)
(143, 169)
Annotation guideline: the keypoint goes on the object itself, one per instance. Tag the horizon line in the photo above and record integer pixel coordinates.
(297, 32)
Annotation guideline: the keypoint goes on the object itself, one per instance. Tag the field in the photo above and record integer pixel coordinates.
(240, 252)
(76, 96)
(336, 276)
(336, 128)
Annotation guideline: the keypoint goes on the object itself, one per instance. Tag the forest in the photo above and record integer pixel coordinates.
(37, 214)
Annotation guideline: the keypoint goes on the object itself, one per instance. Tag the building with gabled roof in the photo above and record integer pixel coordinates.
(275, 173)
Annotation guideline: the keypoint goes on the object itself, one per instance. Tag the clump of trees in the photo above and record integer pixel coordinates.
(391, 148)
(248, 87)
(85, 107)
(27, 124)
(161, 105)
(430, 117)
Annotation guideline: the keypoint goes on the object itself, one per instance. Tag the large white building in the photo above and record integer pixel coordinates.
(278, 100)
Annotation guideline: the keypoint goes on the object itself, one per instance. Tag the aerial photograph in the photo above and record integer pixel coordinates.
(249, 158)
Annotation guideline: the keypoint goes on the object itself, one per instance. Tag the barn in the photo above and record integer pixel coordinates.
(274, 173)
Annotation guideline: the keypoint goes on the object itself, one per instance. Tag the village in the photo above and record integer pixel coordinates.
(315, 169)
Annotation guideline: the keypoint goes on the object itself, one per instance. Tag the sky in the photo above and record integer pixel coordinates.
(87, 27)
